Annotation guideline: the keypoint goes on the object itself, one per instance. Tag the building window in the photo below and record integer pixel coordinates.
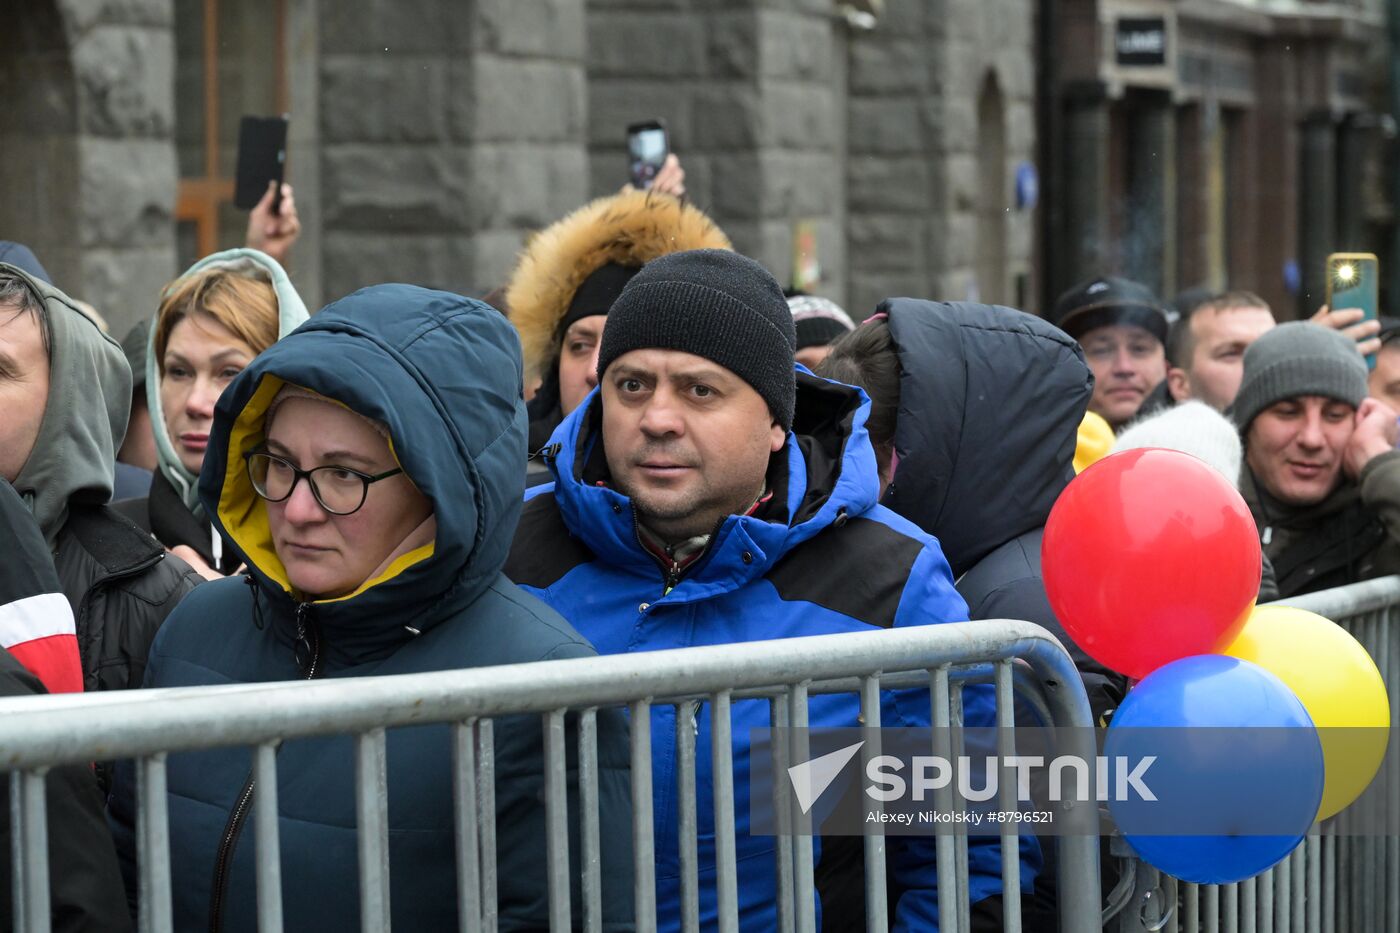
(230, 61)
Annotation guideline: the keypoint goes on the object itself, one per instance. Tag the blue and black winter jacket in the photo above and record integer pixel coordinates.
(443, 373)
(822, 558)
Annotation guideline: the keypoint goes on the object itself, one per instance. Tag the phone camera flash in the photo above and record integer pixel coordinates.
(1346, 272)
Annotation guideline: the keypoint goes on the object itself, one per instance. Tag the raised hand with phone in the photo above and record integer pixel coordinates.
(1353, 299)
(651, 165)
(272, 230)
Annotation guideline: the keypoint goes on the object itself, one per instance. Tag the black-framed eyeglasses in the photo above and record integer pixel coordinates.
(340, 490)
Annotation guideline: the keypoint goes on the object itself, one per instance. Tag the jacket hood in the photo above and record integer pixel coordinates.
(291, 313)
(85, 416)
(630, 228)
(824, 475)
(990, 403)
(443, 373)
(22, 257)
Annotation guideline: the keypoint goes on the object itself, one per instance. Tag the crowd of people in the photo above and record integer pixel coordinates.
(639, 442)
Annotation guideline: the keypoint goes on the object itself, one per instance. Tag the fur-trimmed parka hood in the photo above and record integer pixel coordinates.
(630, 228)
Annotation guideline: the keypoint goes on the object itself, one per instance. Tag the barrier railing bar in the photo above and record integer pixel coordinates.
(722, 766)
(18, 887)
(269, 848)
(1212, 908)
(686, 835)
(643, 840)
(782, 807)
(1266, 901)
(1191, 908)
(36, 852)
(1329, 884)
(960, 862)
(465, 818)
(1249, 906)
(590, 855)
(1006, 800)
(556, 815)
(804, 912)
(154, 858)
(486, 819)
(876, 904)
(56, 730)
(950, 891)
(1230, 894)
(1299, 919)
(372, 814)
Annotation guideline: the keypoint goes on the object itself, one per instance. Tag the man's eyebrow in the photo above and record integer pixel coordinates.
(703, 374)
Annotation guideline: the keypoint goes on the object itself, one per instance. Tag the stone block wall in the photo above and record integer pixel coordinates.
(448, 131)
(752, 94)
(89, 170)
(914, 170)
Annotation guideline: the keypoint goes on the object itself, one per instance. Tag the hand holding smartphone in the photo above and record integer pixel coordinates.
(262, 158)
(1353, 283)
(647, 148)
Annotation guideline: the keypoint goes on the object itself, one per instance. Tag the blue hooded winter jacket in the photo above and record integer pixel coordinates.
(443, 373)
(825, 558)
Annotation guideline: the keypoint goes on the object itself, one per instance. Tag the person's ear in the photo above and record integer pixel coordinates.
(1178, 384)
(777, 437)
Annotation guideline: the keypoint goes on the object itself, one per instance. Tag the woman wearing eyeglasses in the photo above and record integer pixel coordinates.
(367, 469)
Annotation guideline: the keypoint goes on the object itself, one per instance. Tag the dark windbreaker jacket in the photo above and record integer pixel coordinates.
(443, 373)
(822, 558)
(990, 400)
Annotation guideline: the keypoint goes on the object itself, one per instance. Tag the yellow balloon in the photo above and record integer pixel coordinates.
(1338, 684)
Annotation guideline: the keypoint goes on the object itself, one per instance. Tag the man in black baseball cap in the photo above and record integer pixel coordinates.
(1123, 329)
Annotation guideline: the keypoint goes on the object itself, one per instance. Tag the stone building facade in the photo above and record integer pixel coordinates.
(430, 137)
(1216, 144)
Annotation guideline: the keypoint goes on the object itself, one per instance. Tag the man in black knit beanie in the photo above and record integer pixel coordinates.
(707, 492)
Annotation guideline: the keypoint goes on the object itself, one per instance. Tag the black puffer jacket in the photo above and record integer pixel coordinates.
(990, 405)
(122, 584)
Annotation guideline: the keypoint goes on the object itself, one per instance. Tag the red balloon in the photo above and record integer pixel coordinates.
(1150, 556)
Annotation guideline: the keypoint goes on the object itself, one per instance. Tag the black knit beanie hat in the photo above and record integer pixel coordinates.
(716, 304)
(1298, 358)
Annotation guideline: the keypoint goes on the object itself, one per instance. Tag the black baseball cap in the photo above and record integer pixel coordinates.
(1109, 300)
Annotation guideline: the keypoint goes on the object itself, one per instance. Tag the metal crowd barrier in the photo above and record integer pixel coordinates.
(1330, 884)
(1017, 657)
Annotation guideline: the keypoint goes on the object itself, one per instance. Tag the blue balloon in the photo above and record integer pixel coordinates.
(1231, 761)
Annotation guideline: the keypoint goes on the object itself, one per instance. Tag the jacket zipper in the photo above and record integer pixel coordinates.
(309, 639)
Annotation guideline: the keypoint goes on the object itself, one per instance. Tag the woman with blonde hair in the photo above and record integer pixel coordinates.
(212, 321)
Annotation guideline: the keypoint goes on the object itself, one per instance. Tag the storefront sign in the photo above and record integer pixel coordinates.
(1140, 41)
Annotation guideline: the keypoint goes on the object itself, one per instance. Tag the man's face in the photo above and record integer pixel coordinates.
(686, 439)
(1295, 447)
(24, 388)
(1220, 338)
(1127, 362)
(578, 361)
(1385, 378)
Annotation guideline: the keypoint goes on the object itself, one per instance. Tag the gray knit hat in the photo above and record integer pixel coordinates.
(1296, 359)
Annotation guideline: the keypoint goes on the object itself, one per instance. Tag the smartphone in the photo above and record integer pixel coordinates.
(1353, 281)
(647, 148)
(262, 157)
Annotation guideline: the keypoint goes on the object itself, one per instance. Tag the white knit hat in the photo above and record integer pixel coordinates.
(1193, 428)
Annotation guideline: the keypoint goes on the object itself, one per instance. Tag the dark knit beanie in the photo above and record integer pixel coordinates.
(716, 304)
(1295, 359)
